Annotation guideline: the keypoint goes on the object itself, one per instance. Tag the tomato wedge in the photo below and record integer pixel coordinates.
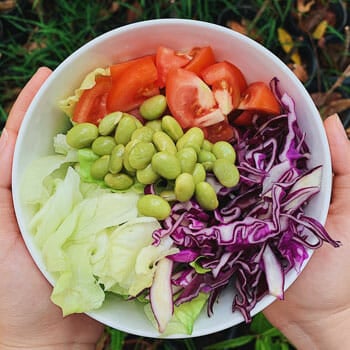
(244, 119)
(92, 104)
(259, 97)
(134, 84)
(227, 82)
(167, 59)
(119, 68)
(222, 131)
(190, 100)
(202, 57)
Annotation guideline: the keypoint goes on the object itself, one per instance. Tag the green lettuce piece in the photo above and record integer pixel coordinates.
(126, 265)
(184, 316)
(76, 289)
(61, 203)
(33, 190)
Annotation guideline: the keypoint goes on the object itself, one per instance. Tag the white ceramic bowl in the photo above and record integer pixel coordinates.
(44, 119)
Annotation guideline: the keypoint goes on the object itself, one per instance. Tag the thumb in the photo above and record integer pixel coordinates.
(339, 145)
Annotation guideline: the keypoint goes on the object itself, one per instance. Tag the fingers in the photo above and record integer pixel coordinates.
(339, 145)
(9, 134)
(25, 98)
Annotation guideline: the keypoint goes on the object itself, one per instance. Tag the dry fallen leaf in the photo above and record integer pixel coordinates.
(288, 45)
(320, 30)
(300, 71)
(303, 6)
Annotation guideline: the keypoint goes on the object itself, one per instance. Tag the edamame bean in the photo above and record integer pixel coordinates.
(163, 142)
(154, 206)
(82, 135)
(116, 159)
(128, 148)
(226, 172)
(166, 165)
(224, 150)
(156, 125)
(184, 187)
(168, 195)
(147, 175)
(207, 145)
(125, 128)
(206, 196)
(207, 159)
(99, 168)
(199, 174)
(171, 126)
(119, 181)
(193, 137)
(143, 134)
(109, 122)
(103, 145)
(153, 108)
(188, 159)
(141, 155)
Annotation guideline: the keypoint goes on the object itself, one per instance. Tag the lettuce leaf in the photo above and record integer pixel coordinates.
(184, 315)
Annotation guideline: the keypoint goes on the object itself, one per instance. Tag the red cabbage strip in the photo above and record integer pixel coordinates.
(259, 232)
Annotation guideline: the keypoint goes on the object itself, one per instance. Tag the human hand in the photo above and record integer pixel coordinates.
(316, 311)
(28, 319)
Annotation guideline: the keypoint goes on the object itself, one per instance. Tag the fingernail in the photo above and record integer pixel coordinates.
(3, 139)
(340, 126)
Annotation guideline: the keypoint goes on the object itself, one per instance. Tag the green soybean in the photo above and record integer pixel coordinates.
(163, 142)
(224, 150)
(226, 172)
(99, 168)
(119, 181)
(109, 122)
(147, 175)
(125, 129)
(144, 133)
(116, 159)
(193, 137)
(82, 135)
(199, 174)
(207, 145)
(129, 146)
(206, 158)
(167, 165)
(153, 108)
(154, 206)
(184, 187)
(103, 145)
(171, 126)
(141, 155)
(156, 125)
(188, 159)
(206, 196)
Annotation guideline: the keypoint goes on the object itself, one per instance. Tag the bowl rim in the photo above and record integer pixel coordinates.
(16, 170)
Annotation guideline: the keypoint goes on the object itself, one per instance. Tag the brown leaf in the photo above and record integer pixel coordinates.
(303, 6)
(337, 106)
(300, 71)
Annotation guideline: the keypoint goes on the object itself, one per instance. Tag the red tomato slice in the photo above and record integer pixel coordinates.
(202, 57)
(245, 118)
(134, 85)
(227, 83)
(119, 68)
(222, 131)
(190, 100)
(167, 59)
(91, 106)
(260, 98)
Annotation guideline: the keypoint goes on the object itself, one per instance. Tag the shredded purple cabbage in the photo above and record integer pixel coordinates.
(259, 231)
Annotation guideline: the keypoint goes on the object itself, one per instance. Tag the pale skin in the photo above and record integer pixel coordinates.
(314, 315)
